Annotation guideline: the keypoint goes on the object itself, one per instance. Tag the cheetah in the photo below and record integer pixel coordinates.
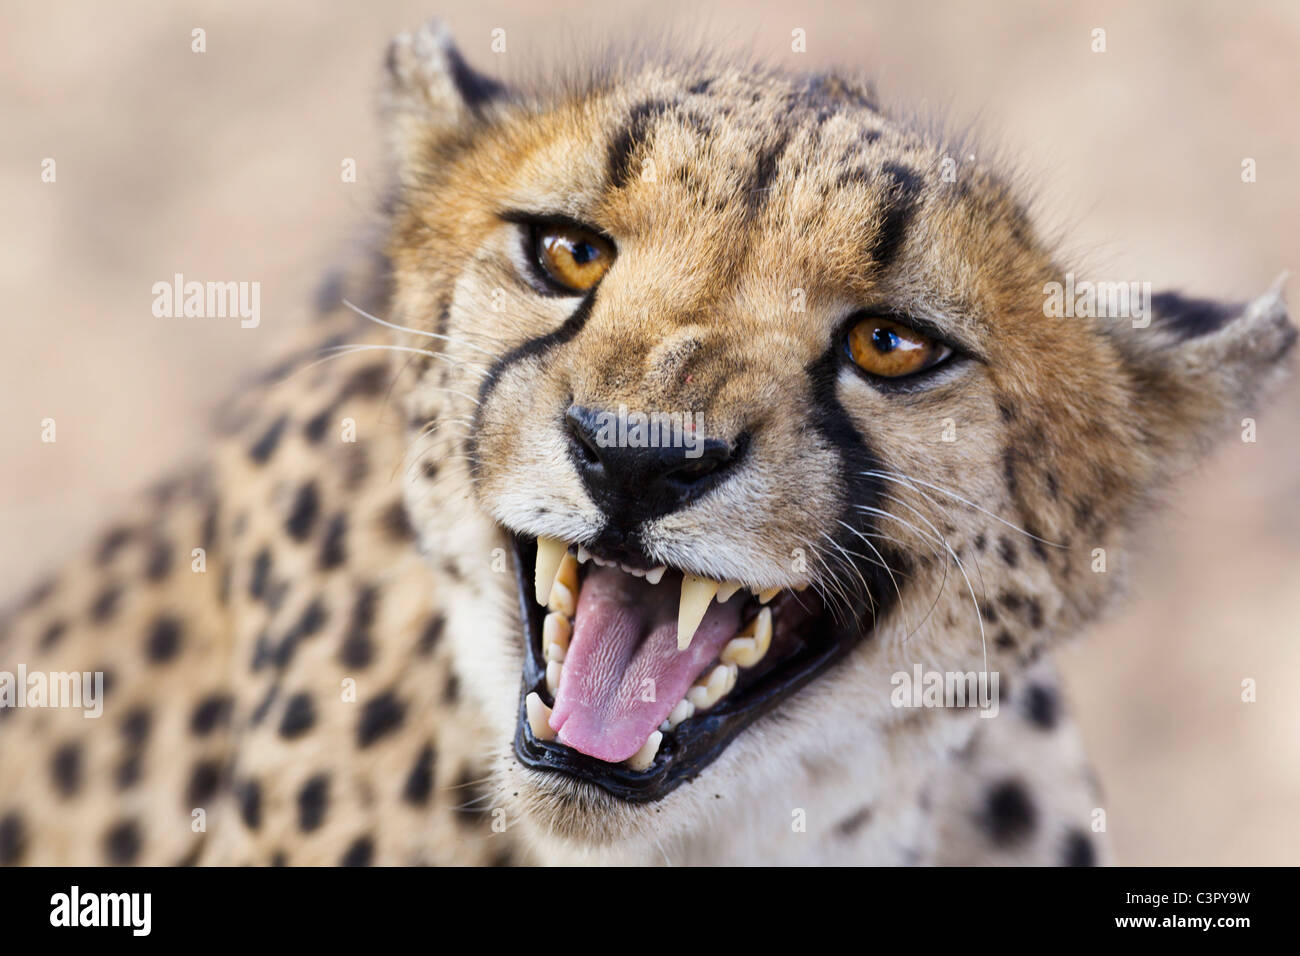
(690, 408)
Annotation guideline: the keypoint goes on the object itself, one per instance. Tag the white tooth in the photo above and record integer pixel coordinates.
(553, 671)
(643, 758)
(556, 631)
(682, 711)
(550, 551)
(562, 599)
(714, 687)
(657, 575)
(539, 717)
(697, 595)
(635, 572)
(767, 595)
(727, 590)
(583, 555)
(748, 647)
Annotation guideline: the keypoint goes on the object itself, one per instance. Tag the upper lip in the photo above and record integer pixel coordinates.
(691, 745)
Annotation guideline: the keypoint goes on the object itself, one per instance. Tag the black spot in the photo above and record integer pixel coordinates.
(430, 470)
(332, 551)
(358, 650)
(419, 782)
(1189, 318)
(135, 726)
(249, 796)
(299, 716)
(278, 858)
(360, 853)
(1042, 706)
(159, 562)
(262, 709)
(315, 427)
(451, 689)
(1035, 613)
(1008, 551)
(313, 800)
(111, 544)
(312, 619)
(633, 133)
(901, 202)
(212, 712)
(52, 634)
(264, 447)
(128, 771)
(1079, 850)
(65, 769)
(471, 809)
(13, 838)
(1009, 815)
(164, 640)
(302, 516)
(261, 574)
(122, 843)
(431, 635)
(701, 87)
(396, 523)
(102, 608)
(204, 779)
(853, 823)
(379, 717)
(1011, 601)
(981, 542)
(1053, 486)
(368, 382)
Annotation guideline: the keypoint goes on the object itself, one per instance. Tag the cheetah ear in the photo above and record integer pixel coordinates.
(431, 91)
(1200, 366)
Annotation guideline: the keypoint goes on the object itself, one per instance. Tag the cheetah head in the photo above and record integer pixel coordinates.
(762, 398)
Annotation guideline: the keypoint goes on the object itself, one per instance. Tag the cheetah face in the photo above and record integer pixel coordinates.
(766, 407)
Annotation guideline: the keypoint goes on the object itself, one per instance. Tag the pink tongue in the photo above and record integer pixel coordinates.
(623, 674)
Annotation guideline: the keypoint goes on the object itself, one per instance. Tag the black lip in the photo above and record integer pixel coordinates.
(691, 746)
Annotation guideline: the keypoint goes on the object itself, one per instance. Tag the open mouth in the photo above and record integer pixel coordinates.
(636, 678)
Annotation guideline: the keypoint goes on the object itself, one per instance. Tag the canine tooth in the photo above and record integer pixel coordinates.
(643, 758)
(656, 575)
(682, 711)
(567, 573)
(562, 599)
(714, 687)
(697, 595)
(749, 646)
(556, 631)
(539, 717)
(550, 551)
(583, 555)
(553, 671)
(765, 596)
(727, 590)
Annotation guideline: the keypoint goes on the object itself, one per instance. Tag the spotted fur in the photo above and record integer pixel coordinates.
(340, 683)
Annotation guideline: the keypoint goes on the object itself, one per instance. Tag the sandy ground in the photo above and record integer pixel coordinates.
(226, 165)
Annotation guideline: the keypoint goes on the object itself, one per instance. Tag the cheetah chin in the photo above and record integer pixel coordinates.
(637, 676)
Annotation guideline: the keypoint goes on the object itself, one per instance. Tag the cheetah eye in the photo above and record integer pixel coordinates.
(572, 257)
(887, 349)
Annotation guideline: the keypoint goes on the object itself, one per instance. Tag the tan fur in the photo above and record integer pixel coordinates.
(745, 193)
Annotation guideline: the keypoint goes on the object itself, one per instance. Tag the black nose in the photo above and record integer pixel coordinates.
(637, 468)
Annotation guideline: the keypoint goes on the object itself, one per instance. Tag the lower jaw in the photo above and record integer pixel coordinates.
(692, 745)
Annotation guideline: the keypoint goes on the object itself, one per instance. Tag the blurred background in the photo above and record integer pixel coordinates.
(226, 165)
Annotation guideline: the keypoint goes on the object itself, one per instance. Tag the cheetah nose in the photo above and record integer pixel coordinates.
(637, 469)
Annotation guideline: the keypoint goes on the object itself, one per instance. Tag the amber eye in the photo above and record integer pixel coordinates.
(885, 348)
(573, 257)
